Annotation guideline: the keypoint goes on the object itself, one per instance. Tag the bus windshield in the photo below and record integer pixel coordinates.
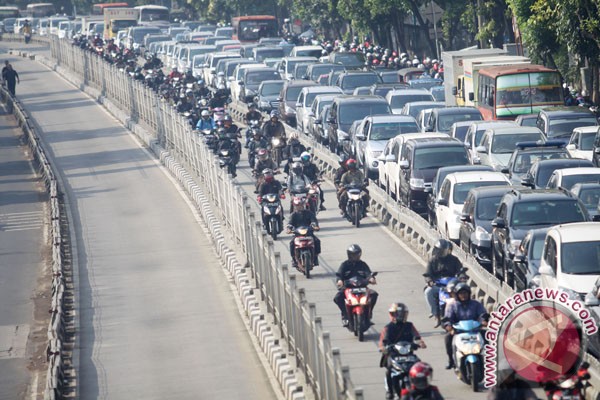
(256, 29)
(8, 12)
(519, 93)
(153, 14)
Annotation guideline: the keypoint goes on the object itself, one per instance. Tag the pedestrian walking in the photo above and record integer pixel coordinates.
(4, 69)
(12, 78)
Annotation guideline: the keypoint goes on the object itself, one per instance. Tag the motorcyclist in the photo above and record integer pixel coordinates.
(352, 177)
(297, 177)
(111, 47)
(312, 172)
(442, 264)
(398, 330)
(255, 144)
(205, 121)
(175, 74)
(302, 216)
(269, 185)
(263, 162)
(219, 99)
(229, 126)
(189, 77)
(184, 105)
(253, 114)
(273, 127)
(98, 42)
(461, 310)
(293, 150)
(420, 375)
(337, 178)
(353, 267)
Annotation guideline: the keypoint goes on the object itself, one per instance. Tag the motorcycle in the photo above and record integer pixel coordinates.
(304, 248)
(210, 139)
(253, 126)
(277, 145)
(271, 207)
(355, 206)
(467, 346)
(298, 191)
(227, 160)
(573, 388)
(356, 295)
(402, 358)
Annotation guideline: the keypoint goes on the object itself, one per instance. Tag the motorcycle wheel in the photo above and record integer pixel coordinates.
(273, 228)
(357, 212)
(362, 327)
(356, 318)
(306, 261)
(474, 375)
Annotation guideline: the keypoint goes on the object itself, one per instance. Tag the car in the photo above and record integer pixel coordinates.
(382, 89)
(348, 146)
(347, 109)
(437, 182)
(331, 77)
(528, 153)
(540, 171)
(526, 261)
(389, 168)
(238, 75)
(350, 80)
(262, 53)
(581, 143)
(475, 232)
(314, 71)
(476, 131)
(305, 100)
(452, 195)
(559, 122)
(322, 126)
(410, 73)
(526, 120)
(361, 91)
(286, 68)
(211, 64)
(289, 98)
(372, 135)
(397, 98)
(419, 162)
(589, 194)
(524, 209)
(498, 144)
(596, 150)
(252, 79)
(388, 76)
(267, 95)
(438, 93)
(230, 64)
(350, 60)
(300, 69)
(320, 101)
(441, 119)
(571, 258)
(566, 178)
(306, 51)
(414, 107)
(458, 130)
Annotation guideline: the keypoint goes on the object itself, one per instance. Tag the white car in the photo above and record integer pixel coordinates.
(397, 98)
(498, 144)
(238, 75)
(452, 195)
(476, 131)
(567, 177)
(304, 103)
(581, 143)
(571, 258)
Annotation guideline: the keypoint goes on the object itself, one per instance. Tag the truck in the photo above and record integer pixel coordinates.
(454, 68)
(466, 92)
(116, 19)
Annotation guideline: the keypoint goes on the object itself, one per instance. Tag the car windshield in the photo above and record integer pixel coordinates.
(350, 59)
(580, 258)
(486, 208)
(390, 77)
(524, 160)
(199, 61)
(537, 247)
(546, 213)
(322, 105)
(505, 144)
(388, 130)
(310, 97)
(587, 141)
(400, 100)
(354, 81)
(318, 70)
(256, 77)
(460, 132)
(570, 180)
(300, 70)
(261, 54)
(564, 127)
(353, 112)
(292, 93)
(437, 157)
(462, 189)
(438, 93)
(529, 122)
(590, 198)
(271, 89)
(445, 121)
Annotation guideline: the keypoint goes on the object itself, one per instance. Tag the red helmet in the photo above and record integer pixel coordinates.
(420, 375)
(351, 163)
(262, 154)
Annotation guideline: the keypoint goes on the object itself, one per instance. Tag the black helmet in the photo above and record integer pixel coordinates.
(462, 286)
(442, 248)
(297, 167)
(354, 252)
(399, 311)
(227, 118)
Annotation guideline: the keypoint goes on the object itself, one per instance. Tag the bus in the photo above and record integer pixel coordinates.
(98, 9)
(9, 12)
(40, 10)
(251, 28)
(504, 92)
(152, 13)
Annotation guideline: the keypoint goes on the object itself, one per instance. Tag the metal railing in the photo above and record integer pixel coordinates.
(295, 318)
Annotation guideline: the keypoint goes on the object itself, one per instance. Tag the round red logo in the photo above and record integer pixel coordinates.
(542, 343)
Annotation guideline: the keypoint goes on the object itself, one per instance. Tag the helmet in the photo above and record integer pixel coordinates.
(420, 375)
(298, 202)
(252, 105)
(262, 154)
(294, 135)
(268, 174)
(354, 252)
(274, 114)
(205, 113)
(305, 157)
(398, 311)
(442, 248)
(297, 167)
(256, 132)
(227, 118)
(351, 163)
(462, 286)
(451, 285)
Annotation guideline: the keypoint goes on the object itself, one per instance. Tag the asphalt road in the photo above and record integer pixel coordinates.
(157, 317)
(22, 247)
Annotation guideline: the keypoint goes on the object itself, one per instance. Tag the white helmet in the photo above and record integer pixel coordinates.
(205, 113)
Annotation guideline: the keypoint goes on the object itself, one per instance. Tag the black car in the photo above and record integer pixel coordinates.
(479, 210)
(350, 60)
(523, 209)
(527, 259)
(437, 182)
(540, 172)
(267, 95)
(528, 153)
(314, 71)
(596, 150)
(420, 161)
(589, 194)
(350, 80)
(441, 119)
(559, 122)
(526, 120)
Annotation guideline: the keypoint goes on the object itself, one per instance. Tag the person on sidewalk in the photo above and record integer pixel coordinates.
(12, 78)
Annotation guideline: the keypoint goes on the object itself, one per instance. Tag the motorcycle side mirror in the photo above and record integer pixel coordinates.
(374, 274)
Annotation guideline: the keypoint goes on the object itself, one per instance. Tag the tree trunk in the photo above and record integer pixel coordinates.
(595, 95)
(424, 28)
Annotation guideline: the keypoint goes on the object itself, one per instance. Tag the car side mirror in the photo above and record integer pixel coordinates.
(403, 164)
(480, 149)
(298, 105)
(596, 218)
(331, 120)
(597, 150)
(230, 79)
(545, 270)
(471, 96)
(442, 202)
(241, 83)
(519, 258)
(468, 146)
(527, 181)
(571, 146)
(318, 121)
(311, 114)
(499, 223)
(381, 158)
(390, 158)
(591, 300)
(465, 218)
(504, 170)
(280, 99)
(361, 137)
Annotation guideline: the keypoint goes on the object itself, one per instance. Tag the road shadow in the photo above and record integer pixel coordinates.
(83, 134)
(8, 197)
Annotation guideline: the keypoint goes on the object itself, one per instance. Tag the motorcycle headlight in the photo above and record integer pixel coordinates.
(417, 183)
(303, 231)
(225, 153)
(275, 142)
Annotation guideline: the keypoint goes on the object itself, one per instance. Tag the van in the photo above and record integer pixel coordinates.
(307, 51)
(260, 53)
(288, 64)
